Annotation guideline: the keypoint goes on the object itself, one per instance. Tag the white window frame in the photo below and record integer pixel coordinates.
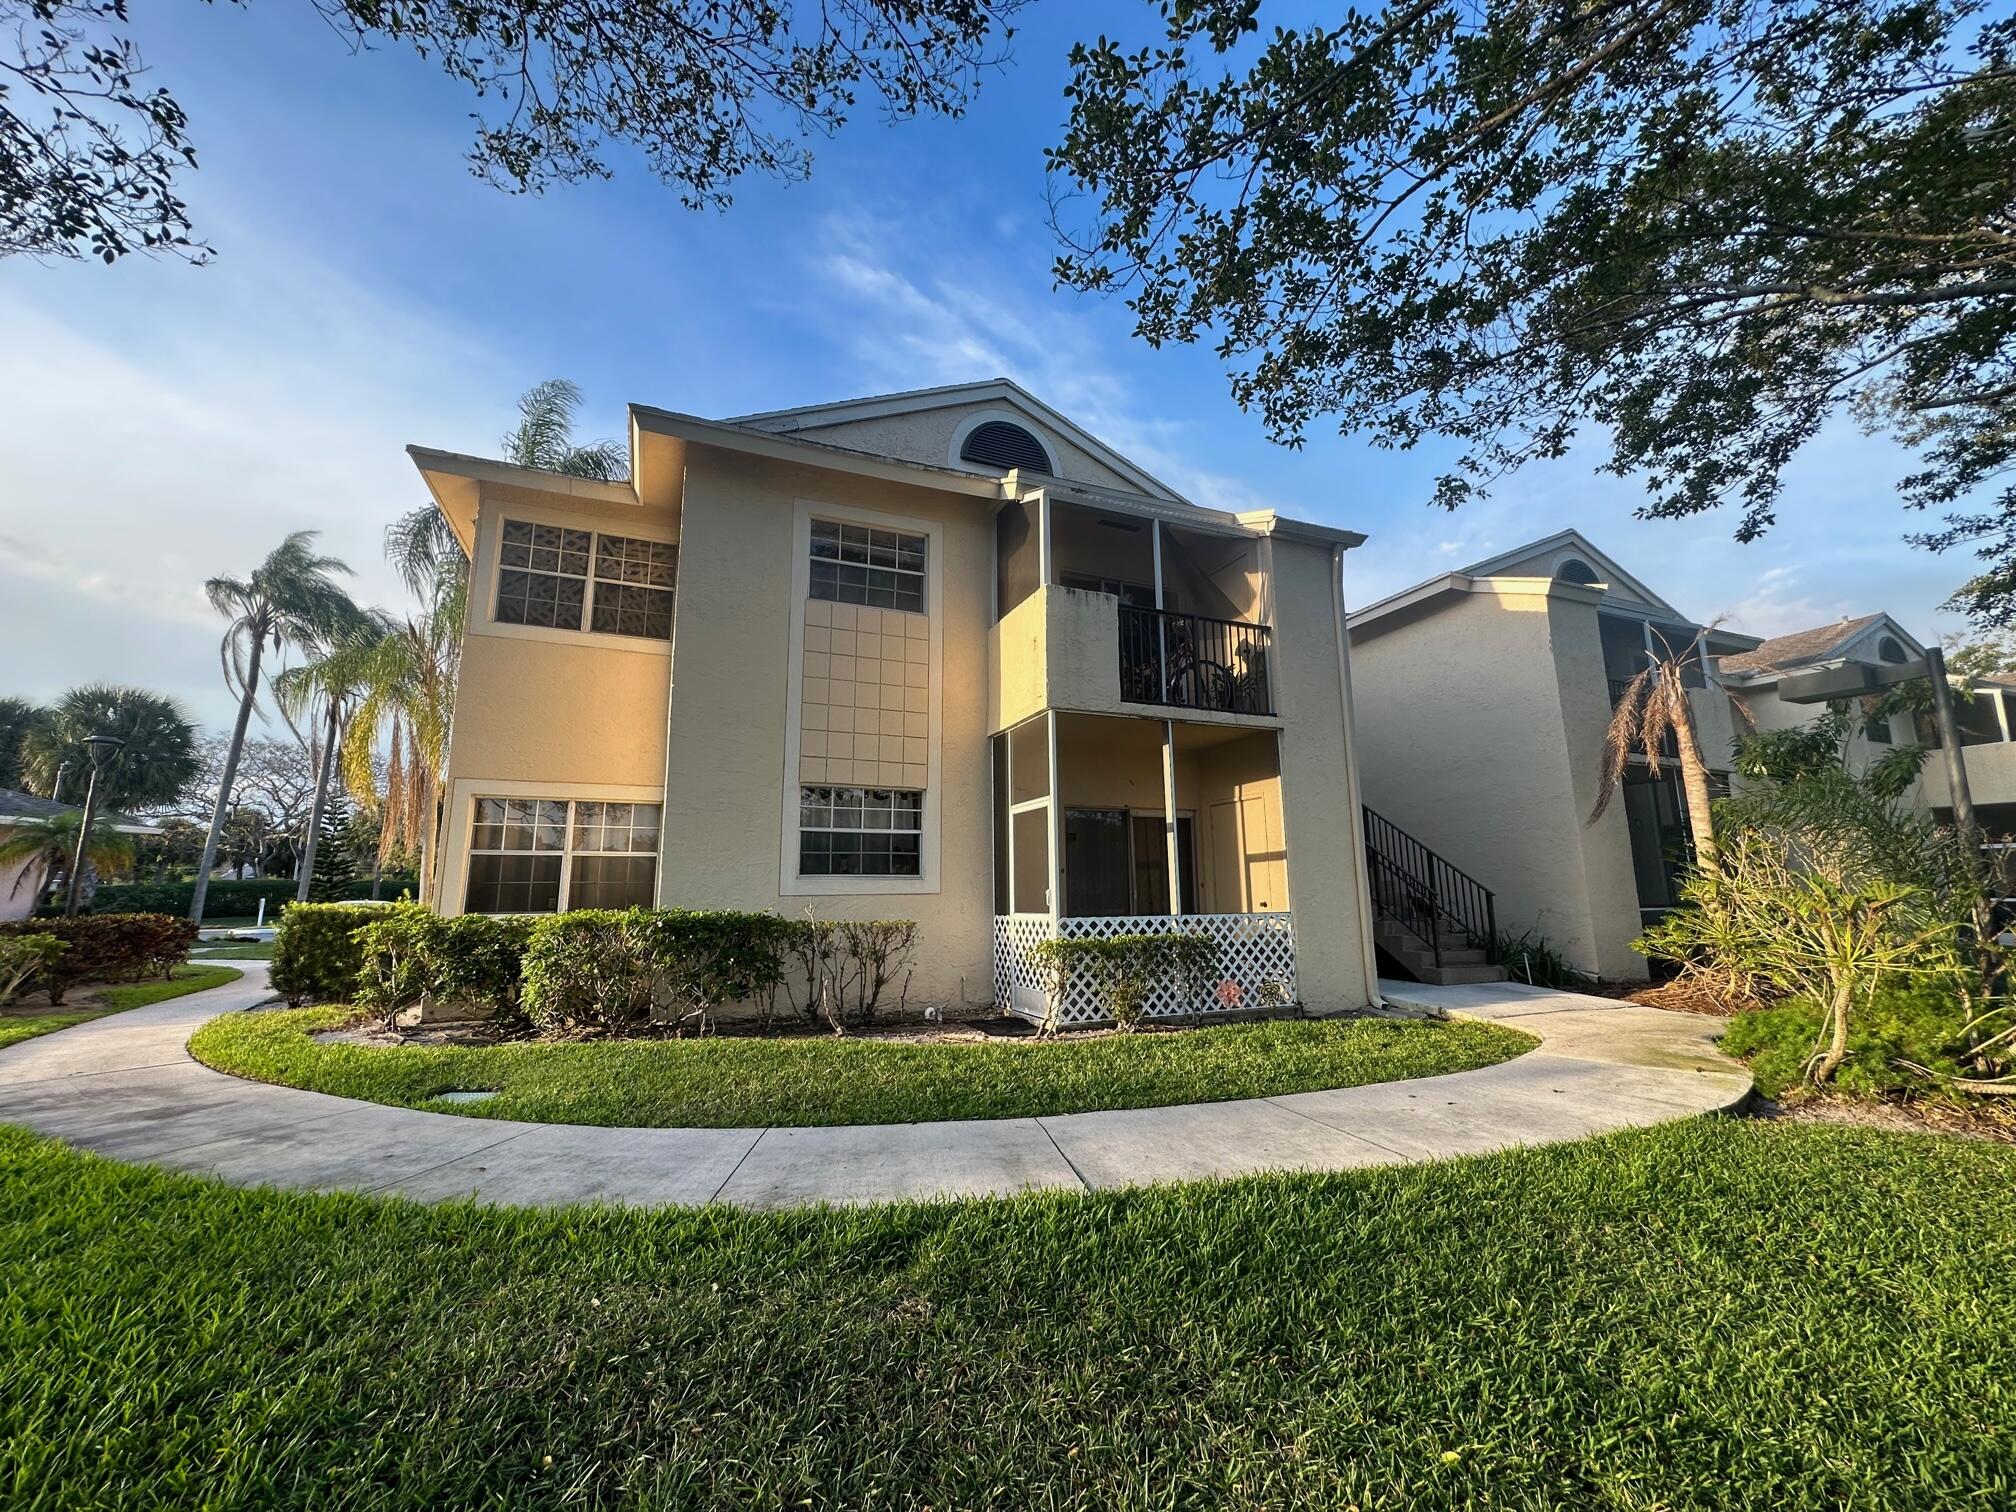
(566, 853)
(797, 595)
(490, 564)
(923, 801)
(923, 575)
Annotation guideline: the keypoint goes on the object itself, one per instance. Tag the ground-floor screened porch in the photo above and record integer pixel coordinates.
(1110, 825)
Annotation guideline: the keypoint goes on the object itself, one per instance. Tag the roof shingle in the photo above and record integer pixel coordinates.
(1798, 648)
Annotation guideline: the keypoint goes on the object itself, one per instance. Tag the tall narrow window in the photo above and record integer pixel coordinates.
(858, 564)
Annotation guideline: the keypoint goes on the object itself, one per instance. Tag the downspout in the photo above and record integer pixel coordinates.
(1357, 815)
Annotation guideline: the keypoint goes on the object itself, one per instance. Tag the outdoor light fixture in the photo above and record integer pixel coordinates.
(101, 747)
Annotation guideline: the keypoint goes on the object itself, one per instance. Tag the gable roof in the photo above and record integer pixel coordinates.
(1799, 649)
(1608, 568)
(17, 808)
(989, 390)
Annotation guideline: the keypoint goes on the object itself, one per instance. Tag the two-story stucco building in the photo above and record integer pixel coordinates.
(938, 655)
(1483, 697)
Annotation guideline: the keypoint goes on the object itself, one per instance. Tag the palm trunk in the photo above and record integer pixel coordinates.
(217, 816)
(1694, 782)
(327, 766)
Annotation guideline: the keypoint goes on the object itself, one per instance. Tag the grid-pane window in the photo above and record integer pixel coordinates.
(633, 586)
(565, 579)
(543, 576)
(858, 564)
(540, 855)
(859, 832)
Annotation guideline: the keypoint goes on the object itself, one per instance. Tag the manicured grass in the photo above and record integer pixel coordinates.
(187, 979)
(735, 1082)
(262, 951)
(1712, 1314)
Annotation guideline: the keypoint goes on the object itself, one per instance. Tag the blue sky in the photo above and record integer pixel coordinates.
(164, 423)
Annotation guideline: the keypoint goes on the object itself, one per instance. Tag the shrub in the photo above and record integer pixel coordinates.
(410, 956)
(316, 955)
(23, 956)
(227, 899)
(1528, 957)
(1125, 970)
(589, 968)
(118, 948)
(840, 968)
(613, 970)
(1903, 1034)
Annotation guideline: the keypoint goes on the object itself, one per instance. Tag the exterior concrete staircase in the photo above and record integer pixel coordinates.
(1430, 917)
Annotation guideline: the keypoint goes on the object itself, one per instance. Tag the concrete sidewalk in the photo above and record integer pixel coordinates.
(125, 1087)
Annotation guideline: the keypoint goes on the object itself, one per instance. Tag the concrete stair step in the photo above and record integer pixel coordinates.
(1455, 976)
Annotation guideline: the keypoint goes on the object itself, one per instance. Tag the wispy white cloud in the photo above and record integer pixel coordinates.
(911, 323)
(168, 424)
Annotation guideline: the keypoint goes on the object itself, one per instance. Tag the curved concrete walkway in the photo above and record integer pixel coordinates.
(126, 1087)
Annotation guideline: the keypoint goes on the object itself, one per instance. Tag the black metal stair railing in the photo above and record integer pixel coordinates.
(1416, 889)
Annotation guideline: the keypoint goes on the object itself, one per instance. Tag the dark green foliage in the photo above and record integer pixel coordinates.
(227, 899)
(316, 955)
(1711, 1315)
(1700, 231)
(1528, 957)
(120, 948)
(746, 1081)
(335, 855)
(410, 955)
(155, 765)
(701, 91)
(16, 716)
(1900, 1034)
(607, 969)
(1125, 970)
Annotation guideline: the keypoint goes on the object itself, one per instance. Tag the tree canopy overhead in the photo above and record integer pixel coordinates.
(1707, 227)
(706, 90)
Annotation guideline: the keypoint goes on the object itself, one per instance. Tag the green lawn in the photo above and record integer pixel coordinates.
(16, 1026)
(1712, 1314)
(262, 951)
(734, 1082)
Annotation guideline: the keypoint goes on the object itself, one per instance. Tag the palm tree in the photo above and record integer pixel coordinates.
(17, 717)
(322, 691)
(544, 436)
(1653, 707)
(49, 846)
(291, 598)
(155, 766)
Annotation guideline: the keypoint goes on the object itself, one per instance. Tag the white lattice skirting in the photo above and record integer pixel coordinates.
(1256, 963)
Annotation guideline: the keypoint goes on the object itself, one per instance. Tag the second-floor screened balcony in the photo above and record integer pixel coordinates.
(1103, 604)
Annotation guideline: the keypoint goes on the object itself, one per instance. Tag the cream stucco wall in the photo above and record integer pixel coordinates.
(725, 778)
(17, 888)
(1480, 726)
(1326, 866)
(926, 436)
(1058, 648)
(546, 713)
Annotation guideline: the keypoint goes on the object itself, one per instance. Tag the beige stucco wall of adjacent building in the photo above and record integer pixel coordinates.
(1480, 726)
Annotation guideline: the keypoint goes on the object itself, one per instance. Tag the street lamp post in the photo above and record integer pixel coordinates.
(100, 747)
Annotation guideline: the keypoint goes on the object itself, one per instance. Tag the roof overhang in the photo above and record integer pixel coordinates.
(1422, 599)
(456, 483)
(779, 447)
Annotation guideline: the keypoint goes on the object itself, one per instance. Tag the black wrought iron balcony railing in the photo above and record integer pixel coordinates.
(1189, 662)
(1669, 745)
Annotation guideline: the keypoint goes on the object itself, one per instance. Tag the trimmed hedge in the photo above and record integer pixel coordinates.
(227, 899)
(113, 948)
(316, 955)
(1126, 969)
(410, 957)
